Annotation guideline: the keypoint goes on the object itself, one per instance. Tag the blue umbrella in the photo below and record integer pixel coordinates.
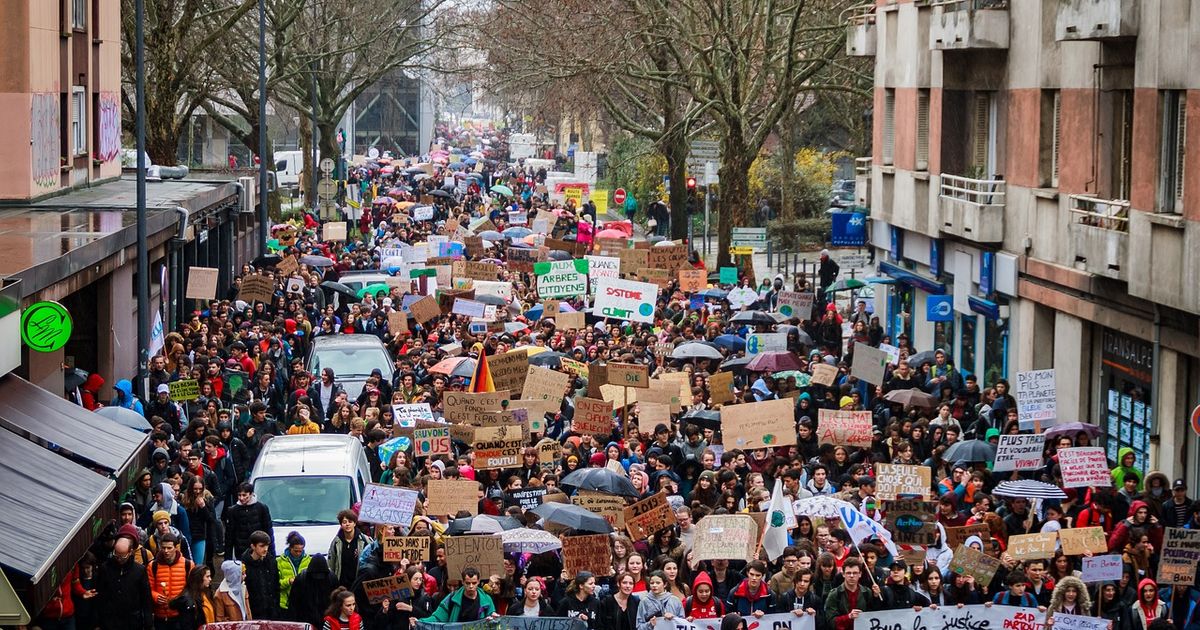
(536, 312)
(733, 343)
(458, 166)
(478, 176)
(517, 232)
(716, 294)
(491, 235)
(879, 280)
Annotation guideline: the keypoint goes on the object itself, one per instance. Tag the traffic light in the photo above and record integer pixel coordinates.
(691, 184)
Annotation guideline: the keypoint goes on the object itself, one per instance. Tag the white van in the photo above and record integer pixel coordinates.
(306, 480)
(288, 165)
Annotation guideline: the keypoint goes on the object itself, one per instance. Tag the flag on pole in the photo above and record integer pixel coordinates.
(481, 379)
(157, 338)
(861, 527)
(778, 515)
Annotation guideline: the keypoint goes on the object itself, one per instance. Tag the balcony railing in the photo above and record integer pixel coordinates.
(978, 192)
(1106, 214)
(861, 34)
(973, 208)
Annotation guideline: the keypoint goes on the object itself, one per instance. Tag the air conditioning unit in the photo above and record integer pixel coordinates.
(247, 200)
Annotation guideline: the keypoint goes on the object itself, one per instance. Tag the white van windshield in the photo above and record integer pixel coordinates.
(304, 500)
(350, 361)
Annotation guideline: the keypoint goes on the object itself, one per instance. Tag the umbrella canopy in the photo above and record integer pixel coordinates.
(374, 289)
(494, 300)
(266, 260)
(600, 480)
(774, 361)
(1072, 429)
(802, 337)
(517, 232)
(921, 358)
(911, 398)
(573, 517)
(126, 417)
(735, 364)
(491, 235)
(536, 311)
(399, 190)
(478, 176)
(822, 505)
(413, 170)
(754, 318)
(733, 343)
(525, 540)
(713, 294)
(382, 200)
(1029, 489)
(696, 350)
(313, 260)
(558, 254)
(446, 366)
(549, 359)
(704, 418)
(970, 451)
(515, 327)
(441, 193)
(465, 369)
(845, 284)
(502, 189)
(610, 233)
(340, 289)
(482, 524)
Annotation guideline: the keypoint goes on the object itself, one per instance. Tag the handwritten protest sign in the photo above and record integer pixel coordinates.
(824, 374)
(485, 553)
(561, 278)
(1063, 621)
(947, 617)
(724, 536)
(549, 452)
(870, 364)
(432, 441)
(979, 565)
(498, 447)
(1180, 555)
(414, 548)
(387, 505)
(1037, 399)
(587, 553)
(626, 300)
(955, 536)
(649, 516)
(629, 375)
(1084, 466)
(1102, 568)
(902, 480)
(720, 387)
(757, 425)
(650, 415)
(1032, 546)
(184, 390)
(846, 428)
(424, 310)
(544, 383)
(450, 496)
(1021, 451)
(671, 258)
(778, 621)
(509, 369)
(1080, 540)
(528, 498)
(465, 406)
(911, 522)
(570, 321)
(611, 507)
(593, 416)
(257, 287)
(691, 280)
(202, 283)
(396, 587)
(794, 304)
(408, 416)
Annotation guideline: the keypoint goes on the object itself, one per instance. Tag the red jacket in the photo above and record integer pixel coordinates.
(336, 624)
(62, 606)
(712, 609)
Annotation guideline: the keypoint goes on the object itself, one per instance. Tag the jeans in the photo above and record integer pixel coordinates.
(198, 548)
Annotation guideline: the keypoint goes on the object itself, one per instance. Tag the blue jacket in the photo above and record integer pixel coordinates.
(125, 397)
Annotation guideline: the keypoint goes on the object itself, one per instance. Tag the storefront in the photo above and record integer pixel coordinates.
(1126, 386)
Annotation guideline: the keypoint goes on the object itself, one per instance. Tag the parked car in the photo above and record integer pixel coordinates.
(352, 358)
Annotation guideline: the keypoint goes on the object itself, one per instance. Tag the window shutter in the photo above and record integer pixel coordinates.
(922, 130)
(889, 126)
(981, 129)
(1057, 135)
(1180, 147)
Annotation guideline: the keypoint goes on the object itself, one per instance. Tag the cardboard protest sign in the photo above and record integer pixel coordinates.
(724, 536)
(870, 364)
(947, 617)
(465, 406)
(1022, 451)
(794, 304)
(765, 342)
(202, 283)
(650, 415)
(776, 621)
(956, 536)
(846, 428)
(408, 416)
(1180, 555)
(485, 553)
(824, 374)
(597, 377)
(626, 300)
(671, 258)
(757, 425)
(257, 287)
(544, 383)
(587, 553)
(660, 278)
(451, 496)
(1079, 540)
(592, 416)
(1102, 568)
(632, 259)
(691, 280)
(474, 270)
(522, 259)
(573, 367)
(1084, 467)
(1037, 399)
(397, 322)
(602, 267)
(570, 321)
(498, 447)
(979, 565)
(469, 308)
(629, 374)
(424, 310)
(287, 266)
(912, 522)
(395, 587)
(1063, 621)
(414, 548)
(509, 369)
(902, 480)
(549, 452)
(1032, 546)
(561, 278)
(649, 516)
(528, 498)
(432, 441)
(387, 505)
(720, 387)
(184, 390)
(611, 507)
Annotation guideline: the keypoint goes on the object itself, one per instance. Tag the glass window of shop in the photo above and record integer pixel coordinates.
(967, 335)
(943, 338)
(995, 351)
(1126, 366)
(900, 310)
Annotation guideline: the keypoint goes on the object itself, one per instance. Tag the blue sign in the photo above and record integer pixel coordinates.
(935, 256)
(987, 272)
(897, 243)
(939, 308)
(849, 229)
(696, 302)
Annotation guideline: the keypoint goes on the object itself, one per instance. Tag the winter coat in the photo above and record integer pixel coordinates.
(125, 398)
(241, 521)
(90, 392)
(657, 606)
(123, 596)
(447, 611)
(167, 579)
(262, 585)
(711, 609)
(310, 591)
(192, 614)
(837, 606)
(227, 604)
(572, 607)
(744, 603)
(610, 612)
(1118, 473)
(334, 556)
(1137, 618)
(1120, 533)
(288, 570)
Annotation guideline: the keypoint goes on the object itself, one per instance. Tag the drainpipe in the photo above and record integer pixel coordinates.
(1155, 372)
(175, 259)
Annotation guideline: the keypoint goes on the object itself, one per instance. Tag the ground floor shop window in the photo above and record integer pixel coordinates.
(966, 348)
(1126, 371)
(900, 310)
(995, 351)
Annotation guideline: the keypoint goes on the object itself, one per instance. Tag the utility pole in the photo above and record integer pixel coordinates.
(263, 222)
(143, 262)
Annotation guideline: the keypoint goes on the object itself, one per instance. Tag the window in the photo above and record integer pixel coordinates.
(1174, 136)
(889, 126)
(79, 14)
(922, 130)
(78, 120)
(1049, 138)
(984, 136)
(1122, 144)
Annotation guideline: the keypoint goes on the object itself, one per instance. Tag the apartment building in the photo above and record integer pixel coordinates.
(1034, 188)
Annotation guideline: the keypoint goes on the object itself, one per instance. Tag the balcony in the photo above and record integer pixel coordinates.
(861, 31)
(972, 208)
(862, 182)
(1099, 231)
(969, 25)
(1096, 20)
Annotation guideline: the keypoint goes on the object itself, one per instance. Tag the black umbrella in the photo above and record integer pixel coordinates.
(548, 359)
(917, 360)
(73, 377)
(573, 517)
(754, 318)
(483, 524)
(266, 260)
(441, 193)
(600, 480)
(558, 254)
(801, 336)
(970, 451)
(348, 294)
(316, 261)
(704, 418)
(735, 364)
(494, 300)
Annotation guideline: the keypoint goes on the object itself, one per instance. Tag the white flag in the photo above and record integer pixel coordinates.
(157, 337)
(778, 515)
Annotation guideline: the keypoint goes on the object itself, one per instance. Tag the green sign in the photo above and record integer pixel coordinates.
(729, 275)
(46, 326)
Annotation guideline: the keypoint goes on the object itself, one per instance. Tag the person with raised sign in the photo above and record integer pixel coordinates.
(466, 603)
(846, 602)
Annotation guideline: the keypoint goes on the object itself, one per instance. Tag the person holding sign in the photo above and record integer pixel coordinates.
(467, 603)
(658, 603)
(846, 602)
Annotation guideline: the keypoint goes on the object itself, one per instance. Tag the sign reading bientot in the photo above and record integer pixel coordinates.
(626, 299)
(561, 278)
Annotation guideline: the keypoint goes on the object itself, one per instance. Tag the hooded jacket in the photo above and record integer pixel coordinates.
(242, 520)
(310, 592)
(90, 394)
(231, 602)
(125, 397)
(261, 582)
(744, 602)
(1118, 473)
(289, 569)
(651, 605)
(711, 609)
(1137, 620)
(1083, 601)
(1120, 533)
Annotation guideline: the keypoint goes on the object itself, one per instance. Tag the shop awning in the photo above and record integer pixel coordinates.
(70, 430)
(930, 286)
(52, 511)
(987, 308)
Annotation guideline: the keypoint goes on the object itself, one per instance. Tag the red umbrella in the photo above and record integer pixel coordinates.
(611, 234)
(446, 366)
(773, 362)
(383, 201)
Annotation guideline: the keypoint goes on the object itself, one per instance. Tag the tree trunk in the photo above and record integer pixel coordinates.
(328, 139)
(732, 205)
(787, 168)
(162, 137)
(305, 135)
(675, 148)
